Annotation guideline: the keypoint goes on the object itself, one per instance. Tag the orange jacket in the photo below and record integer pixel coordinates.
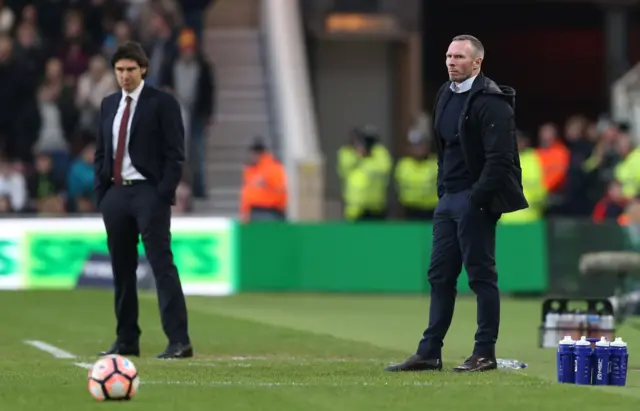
(555, 163)
(264, 185)
(623, 220)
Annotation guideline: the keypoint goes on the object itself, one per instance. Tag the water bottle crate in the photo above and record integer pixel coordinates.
(590, 317)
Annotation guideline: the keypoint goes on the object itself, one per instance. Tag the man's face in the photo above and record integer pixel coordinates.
(5, 204)
(188, 53)
(122, 31)
(88, 153)
(615, 191)
(6, 47)
(43, 164)
(623, 146)
(129, 74)
(26, 36)
(461, 58)
(547, 135)
(419, 150)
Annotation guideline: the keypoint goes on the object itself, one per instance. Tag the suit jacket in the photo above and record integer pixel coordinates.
(486, 130)
(156, 143)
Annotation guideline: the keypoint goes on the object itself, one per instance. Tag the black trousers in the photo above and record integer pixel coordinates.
(462, 235)
(130, 212)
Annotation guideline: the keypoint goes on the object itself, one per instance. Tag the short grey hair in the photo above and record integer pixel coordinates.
(477, 44)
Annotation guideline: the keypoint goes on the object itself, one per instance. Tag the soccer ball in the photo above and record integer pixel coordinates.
(113, 378)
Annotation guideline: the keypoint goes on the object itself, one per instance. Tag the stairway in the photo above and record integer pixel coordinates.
(242, 113)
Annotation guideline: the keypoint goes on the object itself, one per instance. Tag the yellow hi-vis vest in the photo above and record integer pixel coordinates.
(378, 165)
(628, 174)
(534, 189)
(417, 182)
(365, 187)
(357, 186)
(347, 160)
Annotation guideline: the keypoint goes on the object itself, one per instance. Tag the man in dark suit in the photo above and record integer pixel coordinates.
(138, 165)
(479, 178)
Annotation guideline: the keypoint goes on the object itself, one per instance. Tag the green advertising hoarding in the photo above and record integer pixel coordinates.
(53, 252)
(374, 258)
(10, 268)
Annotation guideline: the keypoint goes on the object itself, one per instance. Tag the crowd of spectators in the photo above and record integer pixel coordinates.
(585, 166)
(54, 72)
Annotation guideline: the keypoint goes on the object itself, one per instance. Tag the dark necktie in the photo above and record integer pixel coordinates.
(122, 142)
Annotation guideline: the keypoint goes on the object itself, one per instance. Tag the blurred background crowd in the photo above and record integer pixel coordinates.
(55, 70)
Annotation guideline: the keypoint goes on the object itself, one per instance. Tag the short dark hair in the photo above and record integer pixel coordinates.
(131, 50)
(477, 44)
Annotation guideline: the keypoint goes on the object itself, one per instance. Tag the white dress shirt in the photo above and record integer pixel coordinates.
(129, 172)
(464, 86)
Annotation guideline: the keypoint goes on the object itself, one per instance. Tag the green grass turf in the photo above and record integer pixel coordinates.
(285, 352)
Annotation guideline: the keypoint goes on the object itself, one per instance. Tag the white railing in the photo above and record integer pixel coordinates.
(282, 28)
(625, 100)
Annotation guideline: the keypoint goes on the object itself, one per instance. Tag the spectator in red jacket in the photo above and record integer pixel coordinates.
(611, 206)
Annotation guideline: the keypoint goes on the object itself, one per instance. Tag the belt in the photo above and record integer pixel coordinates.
(131, 182)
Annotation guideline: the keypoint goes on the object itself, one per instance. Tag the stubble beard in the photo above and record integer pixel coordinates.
(459, 78)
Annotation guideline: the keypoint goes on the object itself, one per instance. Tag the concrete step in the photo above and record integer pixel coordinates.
(234, 51)
(224, 177)
(224, 167)
(233, 14)
(232, 133)
(214, 35)
(233, 155)
(240, 77)
(254, 103)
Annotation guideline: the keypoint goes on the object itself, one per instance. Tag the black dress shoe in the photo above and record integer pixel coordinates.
(132, 350)
(417, 363)
(177, 351)
(476, 363)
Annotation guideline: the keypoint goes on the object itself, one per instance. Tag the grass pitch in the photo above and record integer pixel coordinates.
(285, 353)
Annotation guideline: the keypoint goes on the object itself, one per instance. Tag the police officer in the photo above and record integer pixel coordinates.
(416, 179)
(366, 182)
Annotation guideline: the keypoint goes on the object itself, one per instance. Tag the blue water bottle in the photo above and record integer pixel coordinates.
(618, 357)
(565, 360)
(601, 362)
(583, 365)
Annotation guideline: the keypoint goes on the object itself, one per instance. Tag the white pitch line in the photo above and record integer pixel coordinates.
(62, 354)
(53, 350)
(57, 352)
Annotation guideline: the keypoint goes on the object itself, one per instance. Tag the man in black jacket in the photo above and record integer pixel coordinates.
(479, 178)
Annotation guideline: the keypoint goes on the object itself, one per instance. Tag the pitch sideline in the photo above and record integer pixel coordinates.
(57, 352)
